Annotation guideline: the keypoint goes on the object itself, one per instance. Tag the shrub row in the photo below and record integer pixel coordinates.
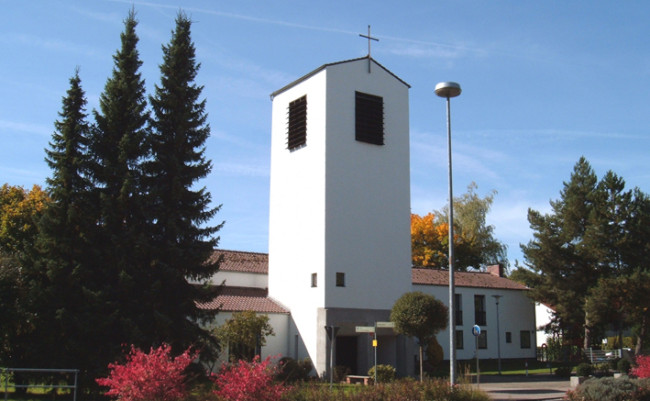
(610, 389)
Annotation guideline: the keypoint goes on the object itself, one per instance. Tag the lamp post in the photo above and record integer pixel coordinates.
(496, 298)
(449, 90)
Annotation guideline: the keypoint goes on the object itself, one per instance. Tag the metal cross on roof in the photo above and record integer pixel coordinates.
(370, 38)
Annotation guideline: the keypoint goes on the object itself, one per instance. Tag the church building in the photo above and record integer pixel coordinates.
(339, 234)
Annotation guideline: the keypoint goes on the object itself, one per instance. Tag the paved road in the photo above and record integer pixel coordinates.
(520, 387)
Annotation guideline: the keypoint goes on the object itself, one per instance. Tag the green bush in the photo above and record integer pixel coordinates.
(291, 371)
(340, 372)
(584, 369)
(601, 369)
(385, 373)
(400, 390)
(624, 366)
(610, 389)
(563, 371)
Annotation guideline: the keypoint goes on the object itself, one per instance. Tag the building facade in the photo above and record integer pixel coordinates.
(339, 232)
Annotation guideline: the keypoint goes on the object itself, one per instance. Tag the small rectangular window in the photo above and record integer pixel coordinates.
(508, 337)
(479, 310)
(369, 118)
(482, 340)
(340, 279)
(459, 339)
(297, 130)
(524, 336)
(314, 280)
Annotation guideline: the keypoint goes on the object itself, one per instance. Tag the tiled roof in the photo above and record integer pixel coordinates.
(239, 299)
(464, 279)
(258, 263)
(243, 262)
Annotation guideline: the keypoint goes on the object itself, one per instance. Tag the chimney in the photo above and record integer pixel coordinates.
(495, 270)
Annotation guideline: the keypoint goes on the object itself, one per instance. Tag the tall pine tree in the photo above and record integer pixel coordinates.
(118, 151)
(560, 254)
(182, 240)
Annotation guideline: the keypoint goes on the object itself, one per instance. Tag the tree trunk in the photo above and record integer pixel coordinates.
(642, 333)
(421, 370)
(587, 340)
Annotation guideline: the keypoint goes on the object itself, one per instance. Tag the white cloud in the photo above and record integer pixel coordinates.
(6, 128)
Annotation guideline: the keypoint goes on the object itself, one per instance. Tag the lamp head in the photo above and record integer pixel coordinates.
(447, 89)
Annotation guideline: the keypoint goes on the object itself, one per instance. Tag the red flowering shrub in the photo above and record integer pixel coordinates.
(155, 376)
(248, 381)
(642, 369)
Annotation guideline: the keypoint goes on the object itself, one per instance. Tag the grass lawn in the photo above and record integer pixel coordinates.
(508, 367)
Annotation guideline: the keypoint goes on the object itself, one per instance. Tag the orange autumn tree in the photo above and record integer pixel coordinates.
(474, 243)
(429, 241)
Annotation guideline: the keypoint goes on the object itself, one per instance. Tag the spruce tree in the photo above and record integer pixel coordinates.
(118, 150)
(179, 211)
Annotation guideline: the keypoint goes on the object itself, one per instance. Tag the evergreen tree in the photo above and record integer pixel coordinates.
(560, 254)
(67, 301)
(182, 241)
(117, 146)
(597, 231)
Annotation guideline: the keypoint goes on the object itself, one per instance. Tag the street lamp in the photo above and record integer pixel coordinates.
(496, 298)
(449, 90)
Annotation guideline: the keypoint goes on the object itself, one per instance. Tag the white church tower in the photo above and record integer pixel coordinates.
(339, 229)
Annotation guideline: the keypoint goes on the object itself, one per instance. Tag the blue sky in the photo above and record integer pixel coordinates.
(543, 84)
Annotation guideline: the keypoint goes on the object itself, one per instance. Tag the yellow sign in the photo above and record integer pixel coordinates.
(374, 343)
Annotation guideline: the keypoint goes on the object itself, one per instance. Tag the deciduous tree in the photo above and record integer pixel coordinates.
(419, 315)
(474, 242)
(243, 333)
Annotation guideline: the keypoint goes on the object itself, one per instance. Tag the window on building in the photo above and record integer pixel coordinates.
(482, 340)
(508, 337)
(297, 126)
(340, 279)
(479, 310)
(459, 339)
(369, 118)
(458, 309)
(524, 337)
(314, 280)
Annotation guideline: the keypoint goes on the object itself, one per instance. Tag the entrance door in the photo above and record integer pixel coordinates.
(346, 353)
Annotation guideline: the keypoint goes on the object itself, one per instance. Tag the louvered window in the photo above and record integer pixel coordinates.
(369, 112)
(297, 130)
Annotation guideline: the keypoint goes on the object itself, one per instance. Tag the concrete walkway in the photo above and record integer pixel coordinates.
(521, 387)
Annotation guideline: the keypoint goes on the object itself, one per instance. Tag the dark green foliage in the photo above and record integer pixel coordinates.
(610, 389)
(596, 230)
(62, 282)
(419, 315)
(117, 149)
(385, 373)
(291, 370)
(400, 390)
(624, 366)
(181, 243)
(585, 369)
(563, 371)
(108, 260)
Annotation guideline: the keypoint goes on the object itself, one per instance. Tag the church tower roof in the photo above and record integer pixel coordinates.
(324, 66)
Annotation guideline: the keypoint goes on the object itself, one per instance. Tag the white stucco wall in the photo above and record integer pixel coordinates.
(516, 314)
(367, 192)
(543, 316)
(238, 279)
(297, 204)
(338, 205)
